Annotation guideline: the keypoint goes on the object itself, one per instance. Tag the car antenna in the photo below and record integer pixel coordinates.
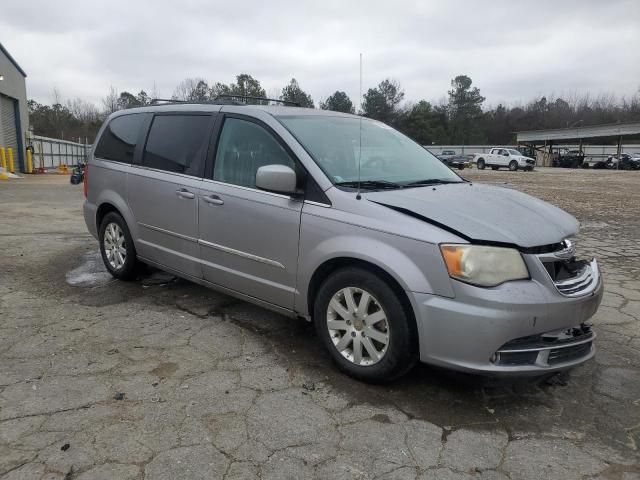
(358, 196)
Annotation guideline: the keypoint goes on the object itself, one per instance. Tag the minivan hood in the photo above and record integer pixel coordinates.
(483, 213)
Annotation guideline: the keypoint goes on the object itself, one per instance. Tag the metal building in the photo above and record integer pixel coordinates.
(14, 116)
(614, 134)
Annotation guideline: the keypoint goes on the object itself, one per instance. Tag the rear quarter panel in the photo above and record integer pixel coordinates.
(108, 184)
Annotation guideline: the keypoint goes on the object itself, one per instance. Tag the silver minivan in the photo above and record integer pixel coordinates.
(344, 221)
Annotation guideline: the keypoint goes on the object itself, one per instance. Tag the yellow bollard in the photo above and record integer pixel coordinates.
(3, 159)
(29, 161)
(10, 155)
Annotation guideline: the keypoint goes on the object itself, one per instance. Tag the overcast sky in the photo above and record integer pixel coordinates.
(513, 50)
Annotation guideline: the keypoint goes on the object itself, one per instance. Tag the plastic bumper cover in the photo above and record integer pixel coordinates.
(466, 332)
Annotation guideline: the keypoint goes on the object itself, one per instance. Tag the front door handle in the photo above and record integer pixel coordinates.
(184, 193)
(213, 200)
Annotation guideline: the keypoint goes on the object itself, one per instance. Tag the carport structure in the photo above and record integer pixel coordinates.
(613, 133)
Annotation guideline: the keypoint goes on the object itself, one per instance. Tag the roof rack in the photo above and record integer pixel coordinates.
(215, 101)
(249, 97)
(155, 101)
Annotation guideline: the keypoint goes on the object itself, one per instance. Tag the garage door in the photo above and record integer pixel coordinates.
(9, 137)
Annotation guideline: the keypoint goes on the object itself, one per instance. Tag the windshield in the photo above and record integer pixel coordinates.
(386, 155)
(514, 152)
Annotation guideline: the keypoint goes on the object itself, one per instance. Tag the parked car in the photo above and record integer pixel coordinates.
(504, 157)
(391, 254)
(446, 155)
(625, 162)
(453, 160)
(565, 158)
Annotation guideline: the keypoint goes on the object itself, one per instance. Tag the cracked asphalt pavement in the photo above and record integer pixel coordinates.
(162, 379)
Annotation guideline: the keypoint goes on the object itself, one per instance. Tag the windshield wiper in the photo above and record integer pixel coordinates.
(370, 184)
(430, 181)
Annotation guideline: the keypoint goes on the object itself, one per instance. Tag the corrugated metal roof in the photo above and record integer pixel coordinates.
(593, 131)
(15, 64)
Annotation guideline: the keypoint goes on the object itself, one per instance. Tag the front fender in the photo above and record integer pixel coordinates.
(417, 266)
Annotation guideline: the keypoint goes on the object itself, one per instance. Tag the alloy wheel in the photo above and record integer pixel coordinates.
(115, 247)
(358, 326)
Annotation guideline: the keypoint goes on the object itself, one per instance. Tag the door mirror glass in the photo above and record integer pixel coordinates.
(276, 178)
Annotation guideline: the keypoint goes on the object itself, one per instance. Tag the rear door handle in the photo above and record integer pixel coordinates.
(213, 200)
(183, 193)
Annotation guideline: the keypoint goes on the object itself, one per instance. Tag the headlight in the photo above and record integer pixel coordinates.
(483, 266)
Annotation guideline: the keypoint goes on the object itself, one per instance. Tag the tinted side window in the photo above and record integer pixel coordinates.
(178, 143)
(243, 148)
(119, 139)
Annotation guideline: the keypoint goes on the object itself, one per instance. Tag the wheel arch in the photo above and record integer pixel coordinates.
(110, 201)
(102, 211)
(334, 264)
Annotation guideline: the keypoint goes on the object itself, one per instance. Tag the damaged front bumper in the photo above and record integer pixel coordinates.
(521, 327)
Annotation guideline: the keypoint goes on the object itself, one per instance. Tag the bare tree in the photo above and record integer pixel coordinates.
(154, 91)
(191, 89)
(85, 112)
(110, 101)
(56, 96)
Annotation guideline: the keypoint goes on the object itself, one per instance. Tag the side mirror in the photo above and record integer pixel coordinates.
(276, 178)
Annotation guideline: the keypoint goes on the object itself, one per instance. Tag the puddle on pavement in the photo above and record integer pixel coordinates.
(90, 273)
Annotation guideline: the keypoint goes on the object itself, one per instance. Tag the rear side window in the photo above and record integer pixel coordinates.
(119, 139)
(178, 143)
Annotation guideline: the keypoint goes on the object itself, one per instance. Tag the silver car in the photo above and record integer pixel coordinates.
(345, 222)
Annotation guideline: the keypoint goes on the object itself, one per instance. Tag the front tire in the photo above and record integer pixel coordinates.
(364, 326)
(480, 164)
(513, 165)
(116, 247)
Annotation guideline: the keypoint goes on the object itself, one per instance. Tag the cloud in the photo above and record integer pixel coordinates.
(513, 50)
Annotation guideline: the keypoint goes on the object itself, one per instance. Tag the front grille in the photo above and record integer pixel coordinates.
(551, 339)
(570, 276)
(517, 358)
(568, 354)
(585, 277)
(547, 349)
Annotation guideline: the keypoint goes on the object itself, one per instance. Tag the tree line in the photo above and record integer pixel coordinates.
(458, 119)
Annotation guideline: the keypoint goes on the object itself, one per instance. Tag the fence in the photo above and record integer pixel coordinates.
(52, 152)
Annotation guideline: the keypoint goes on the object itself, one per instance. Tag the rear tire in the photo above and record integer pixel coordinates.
(513, 165)
(348, 336)
(116, 247)
(480, 164)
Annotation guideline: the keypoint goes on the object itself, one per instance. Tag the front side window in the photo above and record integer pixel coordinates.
(243, 148)
(119, 139)
(178, 143)
(350, 148)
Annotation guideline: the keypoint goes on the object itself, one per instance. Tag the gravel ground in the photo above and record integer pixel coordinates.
(162, 379)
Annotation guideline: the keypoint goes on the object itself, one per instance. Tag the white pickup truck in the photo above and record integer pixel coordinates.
(504, 157)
